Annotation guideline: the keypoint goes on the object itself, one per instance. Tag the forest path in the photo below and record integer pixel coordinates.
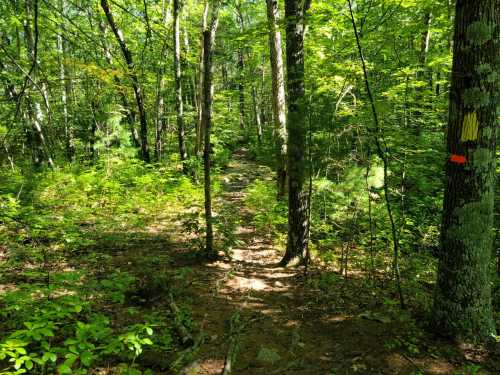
(288, 323)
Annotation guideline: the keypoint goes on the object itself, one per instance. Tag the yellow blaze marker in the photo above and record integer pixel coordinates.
(470, 127)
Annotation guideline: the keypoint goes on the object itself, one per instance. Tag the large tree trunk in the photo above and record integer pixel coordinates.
(298, 227)
(178, 86)
(206, 124)
(279, 103)
(139, 97)
(462, 304)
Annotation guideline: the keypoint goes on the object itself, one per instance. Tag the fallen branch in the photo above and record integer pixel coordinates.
(191, 366)
(182, 331)
(236, 326)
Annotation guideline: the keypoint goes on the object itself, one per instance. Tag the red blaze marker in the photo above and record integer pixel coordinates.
(458, 159)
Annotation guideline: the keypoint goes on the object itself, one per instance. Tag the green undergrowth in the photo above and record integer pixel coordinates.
(341, 229)
(84, 268)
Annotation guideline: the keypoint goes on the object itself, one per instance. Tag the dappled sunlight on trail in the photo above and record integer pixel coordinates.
(292, 326)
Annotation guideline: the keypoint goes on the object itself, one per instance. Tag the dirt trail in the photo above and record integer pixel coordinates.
(290, 325)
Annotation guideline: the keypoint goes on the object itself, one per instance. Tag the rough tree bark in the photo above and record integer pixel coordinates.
(462, 302)
(279, 103)
(139, 97)
(298, 168)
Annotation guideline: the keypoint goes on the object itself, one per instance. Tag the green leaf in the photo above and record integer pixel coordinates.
(29, 364)
(18, 364)
(21, 350)
(268, 355)
(64, 369)
(86, 358)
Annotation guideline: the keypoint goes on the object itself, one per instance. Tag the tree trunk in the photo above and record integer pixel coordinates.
(241, 67)
(178, 86)
(134, 136)
(65, 89)
(206, 124)
(35, 116)
(256, 114)
(462, 302)
(139, 97)
(160, 114)
(298, 236)
(423, 74)
(93, 129)
(201, 74)
(279, 103)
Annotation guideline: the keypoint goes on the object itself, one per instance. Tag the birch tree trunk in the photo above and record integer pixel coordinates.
(279, 103)
(256, 114)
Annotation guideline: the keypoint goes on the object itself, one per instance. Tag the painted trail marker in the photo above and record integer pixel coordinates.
(458, 159)
(470, 127)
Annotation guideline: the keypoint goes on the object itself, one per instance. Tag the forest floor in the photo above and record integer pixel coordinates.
(267, 319)
(284, 322)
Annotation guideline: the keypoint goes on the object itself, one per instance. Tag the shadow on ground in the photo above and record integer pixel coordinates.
(291, 325)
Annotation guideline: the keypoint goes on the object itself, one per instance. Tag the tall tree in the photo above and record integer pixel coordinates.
(278, 85)
(298, 218)
(256, 114)
(462, 303)
(178, 85)
(423, 72)
(65, 87)
(241, 67)
(139, 96)
(201, 75)
(206, 122)
(130, 112)
(35, 116)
